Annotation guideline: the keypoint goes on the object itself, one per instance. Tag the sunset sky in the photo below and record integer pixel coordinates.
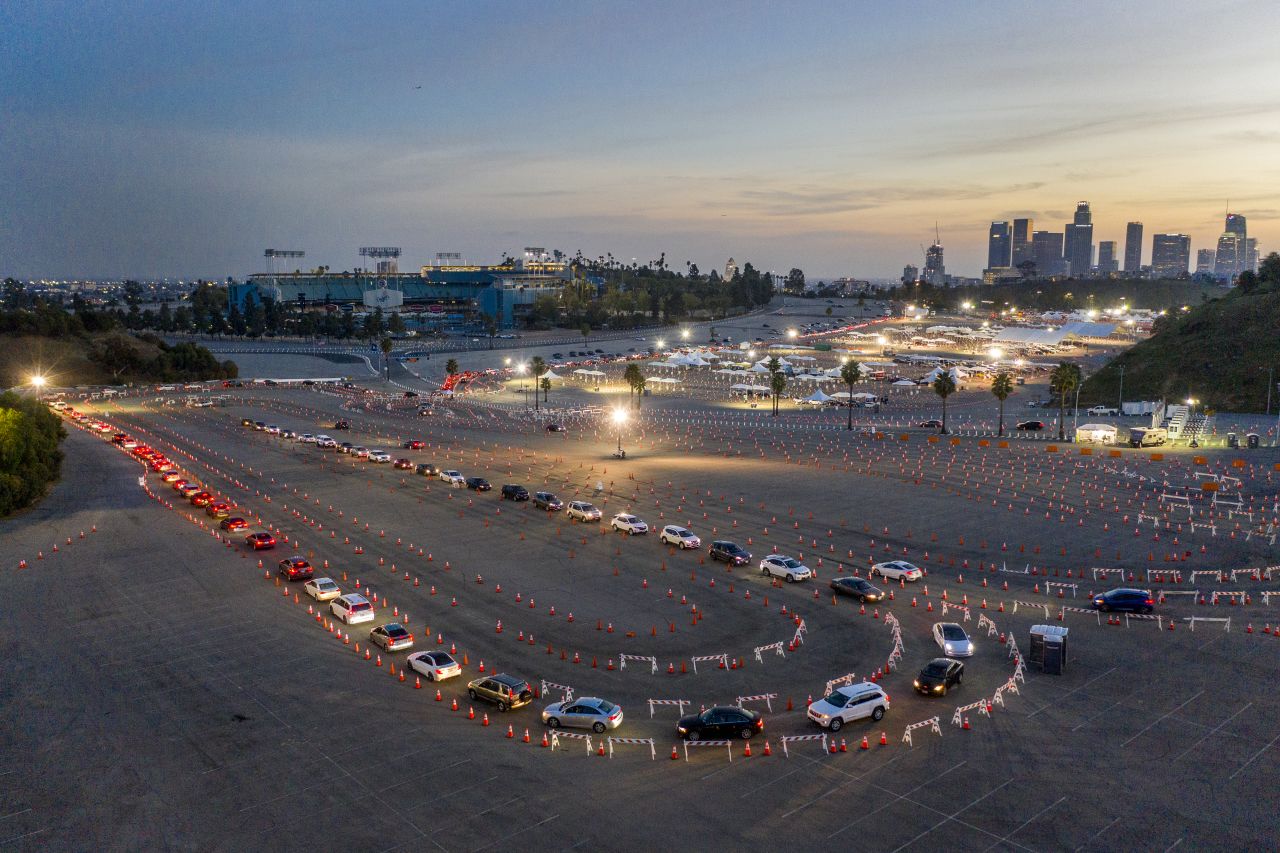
(160, 139)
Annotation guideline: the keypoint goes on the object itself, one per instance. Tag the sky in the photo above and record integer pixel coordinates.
(161, 139)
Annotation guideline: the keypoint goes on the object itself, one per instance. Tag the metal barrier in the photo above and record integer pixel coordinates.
(840, 681)
(1225, 622)
(777, 647)
(723, 658)
(556, 735)
(563, 688)
(958, 717)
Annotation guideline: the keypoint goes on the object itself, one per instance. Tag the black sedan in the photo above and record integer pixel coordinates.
(1125, 600)
(939, 676)
(479, 484)
(1031, 426)
(858, 588)
(930, 424)
(719, 723)
(555, 427)
(729, 552)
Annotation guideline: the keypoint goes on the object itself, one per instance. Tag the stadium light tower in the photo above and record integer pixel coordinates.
(385, 259)
(272, 254)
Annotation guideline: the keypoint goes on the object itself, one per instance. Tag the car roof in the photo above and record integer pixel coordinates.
(510, 680)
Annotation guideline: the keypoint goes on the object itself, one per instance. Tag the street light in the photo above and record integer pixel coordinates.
(996, 353)
(661, 344)
(1191, 404)
(620, 416)
(37, 382)
(792, 334)
(684, 333)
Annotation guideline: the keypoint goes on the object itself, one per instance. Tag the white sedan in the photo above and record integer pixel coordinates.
(897, 570)
(436, 666)
(453, 478)
(952, 639)
(306, 438)
(681, 537)
(629, 524)
(322, 589)
(788, 568)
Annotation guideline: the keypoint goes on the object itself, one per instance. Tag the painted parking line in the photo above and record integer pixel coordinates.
(1254, 757)
(1213, 731)
(1095, 836)
(953, 816)
(888, 803)
(1162, 717)
(1072, 692)
(1023, 825)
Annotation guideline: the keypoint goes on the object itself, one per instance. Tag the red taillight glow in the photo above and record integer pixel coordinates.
(1149, 601)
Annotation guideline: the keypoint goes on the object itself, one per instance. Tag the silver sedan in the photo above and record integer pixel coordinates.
(583, 713)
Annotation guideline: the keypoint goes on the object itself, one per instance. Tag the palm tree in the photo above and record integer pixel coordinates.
(451, 367)
(639, 386)
(387, 344)
(944, 386)
(1002, 387)
(546, 386)
(1064, 379)
(778, 384)
(850, 374)
(632, 375)
(539, 367)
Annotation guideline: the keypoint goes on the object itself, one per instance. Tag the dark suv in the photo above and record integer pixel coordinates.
(1130, 600)
(426, 469)
(729, 552)
(479, 484)
(342, 425)
(514, 492)
(547, 501)
(505, 691)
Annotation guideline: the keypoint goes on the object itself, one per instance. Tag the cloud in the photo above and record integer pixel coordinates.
(809, 199)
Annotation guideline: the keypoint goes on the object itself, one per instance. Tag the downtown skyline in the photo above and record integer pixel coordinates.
(183, 143)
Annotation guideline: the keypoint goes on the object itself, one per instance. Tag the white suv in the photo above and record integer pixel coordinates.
(379, 456)
(629, 524)
(681, 537)
(352, 608)
(583, 511)
(849, 703)
(325, 442)
(788, 568)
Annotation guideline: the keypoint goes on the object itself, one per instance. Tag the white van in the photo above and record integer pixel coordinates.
(352, 608)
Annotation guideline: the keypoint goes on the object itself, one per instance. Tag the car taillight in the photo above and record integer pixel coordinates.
(1149, 601)
(409, 638)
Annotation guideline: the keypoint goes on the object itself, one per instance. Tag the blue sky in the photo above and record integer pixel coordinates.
(182, 139)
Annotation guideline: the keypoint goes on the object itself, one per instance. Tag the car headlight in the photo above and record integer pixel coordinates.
(916, 682)
(682, 730)
(947, 646)
(937, 688)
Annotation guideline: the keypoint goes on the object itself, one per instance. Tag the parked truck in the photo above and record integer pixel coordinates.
(1104, 410)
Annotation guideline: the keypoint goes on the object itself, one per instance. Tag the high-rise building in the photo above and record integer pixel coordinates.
(1170, 255)
(935, 272)
(1107, 263)
(730, 269)
(1022, 249)
(999, 246)
(1204, 261)
(1077, 244)
(1251, 254)
(1232, 246)
(1133, 247)
(1047, 253)
(910, 274)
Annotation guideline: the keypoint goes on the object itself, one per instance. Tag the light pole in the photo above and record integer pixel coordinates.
(1191, 404)
(520, 371)
(619, 419)
(1271, 375)
(1120, 402)
(1075, 416)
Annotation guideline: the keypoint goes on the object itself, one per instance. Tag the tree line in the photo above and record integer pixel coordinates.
(29, 456)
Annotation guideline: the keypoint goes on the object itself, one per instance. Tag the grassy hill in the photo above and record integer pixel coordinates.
(1217, 353)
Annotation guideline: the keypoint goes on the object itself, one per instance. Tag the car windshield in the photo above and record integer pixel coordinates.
(686, 534)
(953, 632)
(789, 562)
(440, 658)
(937, 669)
(836, 699)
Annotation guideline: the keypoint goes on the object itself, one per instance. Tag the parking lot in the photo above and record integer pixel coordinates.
(171, 692)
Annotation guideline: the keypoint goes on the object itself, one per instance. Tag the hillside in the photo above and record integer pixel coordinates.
(1218, 353)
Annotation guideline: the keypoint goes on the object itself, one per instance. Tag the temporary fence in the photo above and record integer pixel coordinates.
(984, 622)
(980, 706)
(932, 723)
(1103, 574)
(556, 735)
(766, 697)
(790, 739)
(947, 605)
(840, 681)
(801, 630)
(1049, 586)
(652, 661)
(653, 752)
(1225, 622)
(727, 744)
(1010, 686)
(678, 703)
(723, 658)
(563, 688)
(778, 647)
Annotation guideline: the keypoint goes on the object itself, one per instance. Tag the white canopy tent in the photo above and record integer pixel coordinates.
(817, 398)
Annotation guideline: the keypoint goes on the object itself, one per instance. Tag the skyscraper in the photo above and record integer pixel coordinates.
(1047, 252)
(1133, 247)
(1022, 249)
(1232, 248)
(935, 272)
(1251, 254)
(1107, 262)
(1078, 241)
(1204, 261)
(999, 246)
(730, 269)
(910, 274)
(1170, 255)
